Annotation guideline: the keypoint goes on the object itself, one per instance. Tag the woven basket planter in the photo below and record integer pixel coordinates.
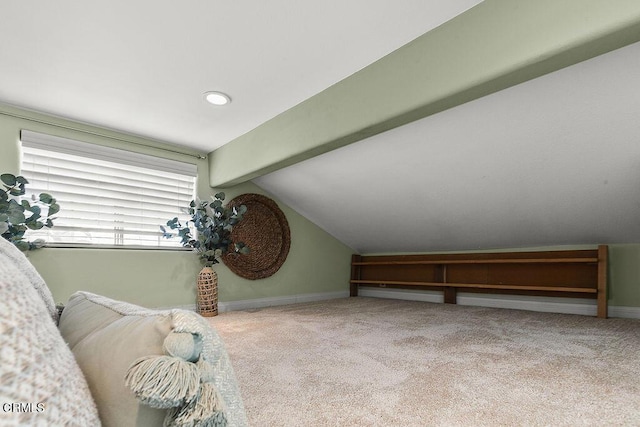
(207, 300)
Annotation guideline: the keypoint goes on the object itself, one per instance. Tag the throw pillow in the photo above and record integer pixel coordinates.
(146, 367)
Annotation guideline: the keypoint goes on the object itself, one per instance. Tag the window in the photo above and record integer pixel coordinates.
(107, 196)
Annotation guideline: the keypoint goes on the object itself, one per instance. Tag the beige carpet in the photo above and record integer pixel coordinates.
(375, 362)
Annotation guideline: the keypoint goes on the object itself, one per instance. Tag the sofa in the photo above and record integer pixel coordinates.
(106, 362)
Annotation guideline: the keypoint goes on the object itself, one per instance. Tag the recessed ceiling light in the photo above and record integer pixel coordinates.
(217, 98)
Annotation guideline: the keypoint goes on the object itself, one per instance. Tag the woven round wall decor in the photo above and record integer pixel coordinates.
(265, 230)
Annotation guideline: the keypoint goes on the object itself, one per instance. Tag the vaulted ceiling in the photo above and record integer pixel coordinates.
(549, 161)
(143, 66)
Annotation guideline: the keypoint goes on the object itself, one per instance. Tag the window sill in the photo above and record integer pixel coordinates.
(125, 247)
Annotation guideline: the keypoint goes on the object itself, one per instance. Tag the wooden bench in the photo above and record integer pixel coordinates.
(577, 273)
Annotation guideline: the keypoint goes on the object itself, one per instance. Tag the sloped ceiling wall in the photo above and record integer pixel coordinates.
(552, 161)
(492, 46)
(496, 163)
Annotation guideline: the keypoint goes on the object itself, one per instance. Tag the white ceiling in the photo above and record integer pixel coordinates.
(549, 162)
(553, 161)
(143, 66)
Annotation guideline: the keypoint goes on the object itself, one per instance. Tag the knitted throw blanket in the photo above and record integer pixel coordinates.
(41, 382)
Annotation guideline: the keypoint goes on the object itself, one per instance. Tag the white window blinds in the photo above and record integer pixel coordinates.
(107, 196)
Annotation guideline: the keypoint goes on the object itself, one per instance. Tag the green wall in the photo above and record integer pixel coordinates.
(624, 275)
(317, 263)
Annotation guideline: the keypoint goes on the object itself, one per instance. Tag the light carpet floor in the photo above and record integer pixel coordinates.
(377, 362)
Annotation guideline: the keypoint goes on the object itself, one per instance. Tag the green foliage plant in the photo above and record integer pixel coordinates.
(17, 214)
(213, 222)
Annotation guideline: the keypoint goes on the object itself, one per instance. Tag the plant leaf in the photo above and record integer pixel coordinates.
(16, 217)
(37, 225)
(46, 198)
(22, 245)
(36, 244)
(53, 209)
(8, 179)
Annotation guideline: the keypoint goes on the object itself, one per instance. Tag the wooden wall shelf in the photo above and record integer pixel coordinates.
(578, 274)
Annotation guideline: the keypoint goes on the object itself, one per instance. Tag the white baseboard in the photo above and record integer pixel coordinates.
(523, 303)
(189, 307)
(584, 307)
(426, 296)
(624, 312)
(273, 301)
(550, 305)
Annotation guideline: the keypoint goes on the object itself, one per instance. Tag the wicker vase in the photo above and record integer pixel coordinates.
(207, 302)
